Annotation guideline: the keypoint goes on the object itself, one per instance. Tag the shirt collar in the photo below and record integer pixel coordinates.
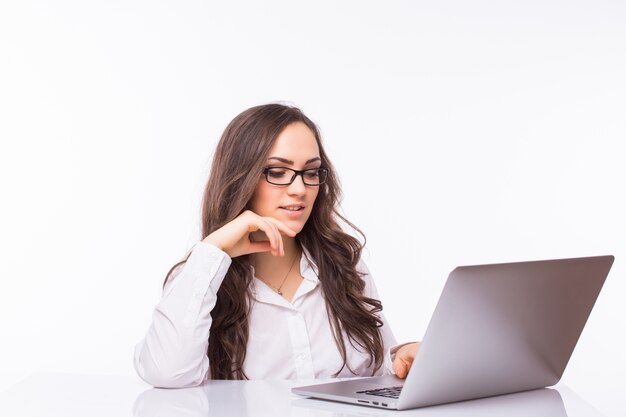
(308, 271)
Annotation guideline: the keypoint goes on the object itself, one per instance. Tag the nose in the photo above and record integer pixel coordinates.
(297, 187)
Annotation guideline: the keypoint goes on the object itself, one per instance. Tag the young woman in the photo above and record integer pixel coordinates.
(275, 289)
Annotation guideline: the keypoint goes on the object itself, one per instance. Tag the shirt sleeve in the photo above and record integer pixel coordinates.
(389, 341)
(173, 353)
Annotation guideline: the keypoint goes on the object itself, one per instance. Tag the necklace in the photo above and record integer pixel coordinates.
(284, 279)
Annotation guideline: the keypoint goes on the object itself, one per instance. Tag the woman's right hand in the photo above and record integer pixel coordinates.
(234, 237)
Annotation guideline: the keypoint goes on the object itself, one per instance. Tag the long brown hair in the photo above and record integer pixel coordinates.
(237, 165)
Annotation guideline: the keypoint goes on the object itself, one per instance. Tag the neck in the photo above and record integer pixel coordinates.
(265, 262)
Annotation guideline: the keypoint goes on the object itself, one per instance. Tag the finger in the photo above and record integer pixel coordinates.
(264, 226)
(259, 247)
(400, 368)
(404, 359)
(282, 227)
(279, 238)
(279, 241)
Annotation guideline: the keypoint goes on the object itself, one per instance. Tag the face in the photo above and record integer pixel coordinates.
(295, 148)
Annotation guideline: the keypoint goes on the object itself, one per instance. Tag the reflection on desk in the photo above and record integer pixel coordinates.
(56, 395)
(266, 398)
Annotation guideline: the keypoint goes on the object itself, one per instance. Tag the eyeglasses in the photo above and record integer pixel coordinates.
(285, 176)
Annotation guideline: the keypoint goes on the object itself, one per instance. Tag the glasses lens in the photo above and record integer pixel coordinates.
(278, 176)
(314, 176)
(283, 176)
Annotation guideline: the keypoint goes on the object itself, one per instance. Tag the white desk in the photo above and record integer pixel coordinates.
(66, 395)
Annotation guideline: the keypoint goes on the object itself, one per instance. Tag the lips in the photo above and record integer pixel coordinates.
(295, 207)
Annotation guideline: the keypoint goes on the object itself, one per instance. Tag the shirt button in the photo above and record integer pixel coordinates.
(301, 356)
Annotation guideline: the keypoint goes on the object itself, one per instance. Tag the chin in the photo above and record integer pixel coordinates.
(295, 225)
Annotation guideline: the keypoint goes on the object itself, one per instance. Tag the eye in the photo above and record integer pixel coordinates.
(312, 173)
(276, 172)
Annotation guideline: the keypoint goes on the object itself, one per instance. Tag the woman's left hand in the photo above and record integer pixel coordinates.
(404, 359)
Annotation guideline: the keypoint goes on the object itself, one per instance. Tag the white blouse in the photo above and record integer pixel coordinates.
(287, 340)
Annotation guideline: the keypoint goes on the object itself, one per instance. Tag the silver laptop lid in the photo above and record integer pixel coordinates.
(503, 328)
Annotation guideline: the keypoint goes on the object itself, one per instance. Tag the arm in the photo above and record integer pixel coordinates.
(174, 352)
(398, 357)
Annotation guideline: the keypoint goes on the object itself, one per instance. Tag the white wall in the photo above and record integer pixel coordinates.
(464, 132)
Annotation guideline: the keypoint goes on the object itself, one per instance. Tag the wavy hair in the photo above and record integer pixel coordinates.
(238, 161)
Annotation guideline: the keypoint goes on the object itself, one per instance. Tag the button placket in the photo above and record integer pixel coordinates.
(301, 348)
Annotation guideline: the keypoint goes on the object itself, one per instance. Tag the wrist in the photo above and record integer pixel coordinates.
(213, 241)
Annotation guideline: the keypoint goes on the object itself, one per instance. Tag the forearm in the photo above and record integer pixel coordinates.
(174, 352)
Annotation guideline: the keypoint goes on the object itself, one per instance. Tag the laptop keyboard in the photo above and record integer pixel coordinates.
(390, 392)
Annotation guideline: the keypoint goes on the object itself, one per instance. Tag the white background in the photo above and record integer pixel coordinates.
(463, 132)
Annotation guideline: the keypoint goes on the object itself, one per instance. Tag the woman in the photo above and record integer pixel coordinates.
(275, 289)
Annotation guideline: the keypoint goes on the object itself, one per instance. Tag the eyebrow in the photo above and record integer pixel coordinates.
(290, 162)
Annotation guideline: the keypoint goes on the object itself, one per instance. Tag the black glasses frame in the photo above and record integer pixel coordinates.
(323, 174)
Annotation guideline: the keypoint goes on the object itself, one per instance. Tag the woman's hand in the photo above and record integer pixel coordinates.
(234, 237)
(404, 358)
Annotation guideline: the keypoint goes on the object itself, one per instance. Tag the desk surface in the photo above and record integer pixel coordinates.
(69, 395)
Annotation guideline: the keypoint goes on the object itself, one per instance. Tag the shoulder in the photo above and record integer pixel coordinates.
(361, 268)
(370, 287)
(202, 259)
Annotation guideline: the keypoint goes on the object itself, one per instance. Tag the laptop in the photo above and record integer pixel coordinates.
(543, 402)
(497, 329)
